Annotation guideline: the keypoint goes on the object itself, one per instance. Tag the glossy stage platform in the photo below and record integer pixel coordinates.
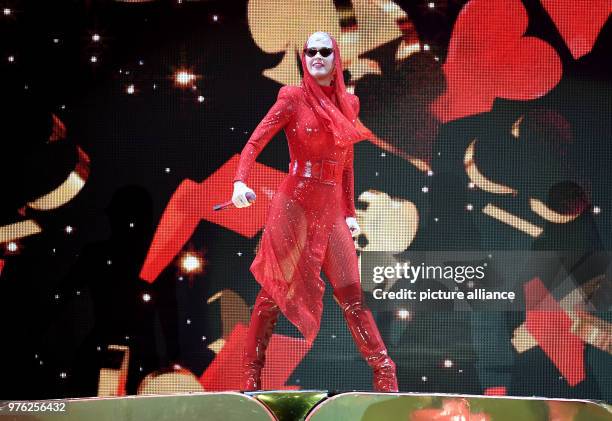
(309, 406)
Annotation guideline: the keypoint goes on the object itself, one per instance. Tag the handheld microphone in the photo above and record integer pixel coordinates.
(220, 206)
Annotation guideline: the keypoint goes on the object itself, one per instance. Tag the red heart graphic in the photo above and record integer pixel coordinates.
(579, 22)
(488, 58)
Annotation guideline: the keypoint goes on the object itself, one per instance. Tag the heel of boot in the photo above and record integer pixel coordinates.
(251, 379)
(385, 377)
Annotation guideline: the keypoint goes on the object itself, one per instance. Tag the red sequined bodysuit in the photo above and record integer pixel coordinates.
(306, 229)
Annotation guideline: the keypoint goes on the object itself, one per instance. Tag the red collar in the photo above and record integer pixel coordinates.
(327, 90)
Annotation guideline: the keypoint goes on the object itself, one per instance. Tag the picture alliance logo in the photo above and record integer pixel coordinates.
(412, 273)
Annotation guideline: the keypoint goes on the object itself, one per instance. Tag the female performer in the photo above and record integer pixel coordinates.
(311, 219)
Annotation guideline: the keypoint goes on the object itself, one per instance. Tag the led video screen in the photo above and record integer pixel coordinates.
(483, 197)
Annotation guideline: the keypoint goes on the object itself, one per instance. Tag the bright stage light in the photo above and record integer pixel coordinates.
(184, 78)
(191, 263)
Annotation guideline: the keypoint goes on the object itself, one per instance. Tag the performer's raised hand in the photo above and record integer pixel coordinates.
(353, 226)
(239, 197)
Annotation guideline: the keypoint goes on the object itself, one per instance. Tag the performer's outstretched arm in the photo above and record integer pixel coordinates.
(348, 177)
(276, 118)
(182, 214)
(348, 181)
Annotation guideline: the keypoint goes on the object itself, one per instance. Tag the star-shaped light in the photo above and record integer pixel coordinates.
(403, 314)
(184, 78)
(191, 263)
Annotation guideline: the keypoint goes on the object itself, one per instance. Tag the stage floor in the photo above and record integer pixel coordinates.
(309, 406)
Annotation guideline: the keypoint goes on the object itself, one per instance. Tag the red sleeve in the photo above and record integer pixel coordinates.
(348, 184)
(277, 117)
(348, 178)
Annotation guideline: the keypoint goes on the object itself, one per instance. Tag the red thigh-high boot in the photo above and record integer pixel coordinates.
(342, 269)
(367, 337)
(263, 320)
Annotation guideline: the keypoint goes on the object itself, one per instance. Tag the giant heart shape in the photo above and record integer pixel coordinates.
(579, 21)
(488, 58)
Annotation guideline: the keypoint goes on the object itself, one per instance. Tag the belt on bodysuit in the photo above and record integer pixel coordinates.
(325, 171)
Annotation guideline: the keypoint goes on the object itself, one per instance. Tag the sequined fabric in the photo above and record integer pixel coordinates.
(304, 210)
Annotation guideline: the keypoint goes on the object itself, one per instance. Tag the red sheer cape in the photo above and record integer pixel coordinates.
(307, 216)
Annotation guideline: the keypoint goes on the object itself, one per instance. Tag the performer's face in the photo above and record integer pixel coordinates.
(318, 66)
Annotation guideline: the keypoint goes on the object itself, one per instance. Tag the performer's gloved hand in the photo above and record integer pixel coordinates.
(239, 196)
(353, 226)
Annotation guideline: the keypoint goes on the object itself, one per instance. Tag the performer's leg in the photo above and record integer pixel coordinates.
(341, 268)
(263, 320)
